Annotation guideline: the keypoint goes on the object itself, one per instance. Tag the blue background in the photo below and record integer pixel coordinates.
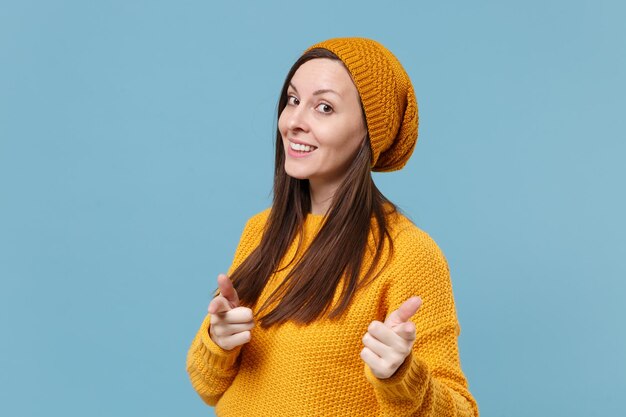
(136, 138)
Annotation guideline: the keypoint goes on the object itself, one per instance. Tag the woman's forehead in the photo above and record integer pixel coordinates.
(320, 74)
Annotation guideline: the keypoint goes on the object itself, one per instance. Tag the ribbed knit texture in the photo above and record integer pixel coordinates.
(316, 369)
(387, 95)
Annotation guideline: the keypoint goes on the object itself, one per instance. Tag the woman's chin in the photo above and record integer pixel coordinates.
(297, 175)
(300, 174)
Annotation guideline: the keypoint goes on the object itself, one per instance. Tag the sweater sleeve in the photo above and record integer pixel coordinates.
(211, 368)
(430, 382)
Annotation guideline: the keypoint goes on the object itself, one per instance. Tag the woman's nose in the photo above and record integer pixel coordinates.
(297, 119)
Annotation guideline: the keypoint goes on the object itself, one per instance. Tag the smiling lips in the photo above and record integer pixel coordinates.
(300, 149)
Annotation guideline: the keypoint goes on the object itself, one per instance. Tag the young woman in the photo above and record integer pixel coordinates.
(336, 304)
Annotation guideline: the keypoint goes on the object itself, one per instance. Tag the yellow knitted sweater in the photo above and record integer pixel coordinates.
(316, 369)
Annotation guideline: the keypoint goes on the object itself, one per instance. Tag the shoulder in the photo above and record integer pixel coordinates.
(251, 234)
(260, 217)
(414, 248)
(407, 233)
(256, 223)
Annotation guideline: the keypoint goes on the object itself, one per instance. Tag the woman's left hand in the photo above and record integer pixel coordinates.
(388, 344)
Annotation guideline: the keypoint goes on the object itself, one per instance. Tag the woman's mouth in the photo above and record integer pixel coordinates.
(299, 150)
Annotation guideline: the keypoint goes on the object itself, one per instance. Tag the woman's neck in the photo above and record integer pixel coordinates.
(321, 194)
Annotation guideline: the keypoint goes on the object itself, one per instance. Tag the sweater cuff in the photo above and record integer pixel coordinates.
(409, 380)
(212, 353)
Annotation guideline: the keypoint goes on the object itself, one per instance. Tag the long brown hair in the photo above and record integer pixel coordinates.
(338, 248)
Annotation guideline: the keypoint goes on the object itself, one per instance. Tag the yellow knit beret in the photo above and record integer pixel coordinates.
(387, 96)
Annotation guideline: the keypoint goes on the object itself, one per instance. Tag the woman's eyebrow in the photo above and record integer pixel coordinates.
(317, 92)
(326, 90)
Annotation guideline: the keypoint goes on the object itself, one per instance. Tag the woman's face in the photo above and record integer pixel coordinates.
(322, 126)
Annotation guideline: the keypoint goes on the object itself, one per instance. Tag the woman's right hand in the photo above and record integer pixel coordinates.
(230, 324)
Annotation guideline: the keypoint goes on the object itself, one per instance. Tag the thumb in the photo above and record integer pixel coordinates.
(227, 290)
(404, 312)
(219, 305)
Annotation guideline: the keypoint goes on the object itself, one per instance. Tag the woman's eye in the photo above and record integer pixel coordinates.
(325, 108)
(292, 100)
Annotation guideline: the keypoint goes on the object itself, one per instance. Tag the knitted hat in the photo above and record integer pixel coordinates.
(387, 96)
